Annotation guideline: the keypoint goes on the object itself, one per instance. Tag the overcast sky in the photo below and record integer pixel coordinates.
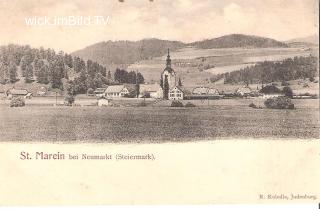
(184, 20)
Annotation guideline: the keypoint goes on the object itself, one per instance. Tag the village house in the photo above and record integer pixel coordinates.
(100, 92)
(117, 91)
(244, 91)
(151, 90)
(11, 93)
(42, 91)
(271, 91)
(205, 91)
(176, 93)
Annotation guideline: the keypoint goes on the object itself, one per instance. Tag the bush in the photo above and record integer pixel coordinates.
(284, 83)
(69, 100)
(287, 92)
(311, 79)
(189, 104)
(17, 102)
(279, 103)
(90, 91)
(253, 105)
(176, 104)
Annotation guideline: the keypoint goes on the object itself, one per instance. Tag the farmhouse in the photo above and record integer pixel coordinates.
(18, 93)
(151, 90)
(244, 91)
(271, 91)
(205, 91)
(116, 91)
(100, 92)
(176, 93)
(42, 91)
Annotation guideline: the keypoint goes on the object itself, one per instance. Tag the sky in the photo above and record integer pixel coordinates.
(182, 20)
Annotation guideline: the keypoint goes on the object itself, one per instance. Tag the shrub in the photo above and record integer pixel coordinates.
(253, 105)
(284, 83)
(69, 100)
(17, 102)
(279, 103)
(287, 92)
(176, 104)
(189, 104)
(311, 79)
(90, 91)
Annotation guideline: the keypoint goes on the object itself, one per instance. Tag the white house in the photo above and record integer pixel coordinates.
(116, 91)
(154, 90)
(271, 95)
(100, 92)
(244, 91)
(18, 93)
(176, 93)
(205, 91)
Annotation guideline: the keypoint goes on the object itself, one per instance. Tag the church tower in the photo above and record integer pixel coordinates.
(168, 75)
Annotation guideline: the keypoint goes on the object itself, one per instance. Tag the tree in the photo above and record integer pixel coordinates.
(166, 88)
(109, 75)
(140, 78)
(12, 72)
(29, 74)
(179, 82)
(287, 92)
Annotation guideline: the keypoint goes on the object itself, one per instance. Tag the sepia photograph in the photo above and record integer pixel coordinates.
(110, 79)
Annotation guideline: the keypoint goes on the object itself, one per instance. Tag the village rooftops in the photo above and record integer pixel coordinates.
(149, 87)
(100, 90)
(18, 91)
(115, 89)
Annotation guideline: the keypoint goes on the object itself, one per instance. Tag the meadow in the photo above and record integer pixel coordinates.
(223, 60)
(221, 119)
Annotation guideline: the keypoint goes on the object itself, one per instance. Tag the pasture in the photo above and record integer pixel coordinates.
(221, 119)
(186, 62)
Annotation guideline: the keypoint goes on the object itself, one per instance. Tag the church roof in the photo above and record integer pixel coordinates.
(168, 64)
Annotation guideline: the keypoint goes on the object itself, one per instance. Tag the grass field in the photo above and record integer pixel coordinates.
(157, 124)
(223, 60)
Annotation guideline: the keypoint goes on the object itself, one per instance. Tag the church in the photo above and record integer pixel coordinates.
(168, 78)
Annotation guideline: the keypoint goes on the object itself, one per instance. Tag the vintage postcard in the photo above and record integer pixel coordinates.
(159, 102)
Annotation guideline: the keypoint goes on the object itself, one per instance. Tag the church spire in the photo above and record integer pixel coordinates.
(168, 59)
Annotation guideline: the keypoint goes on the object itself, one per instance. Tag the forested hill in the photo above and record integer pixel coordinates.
(127, 52)
(269, 71)
(24, 64)
(238, 41)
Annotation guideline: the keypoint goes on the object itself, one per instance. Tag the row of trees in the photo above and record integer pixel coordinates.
(268, 71)
(123, 76)
(46, 67)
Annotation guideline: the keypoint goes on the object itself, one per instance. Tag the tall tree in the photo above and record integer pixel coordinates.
(179, 82)
(12, 72)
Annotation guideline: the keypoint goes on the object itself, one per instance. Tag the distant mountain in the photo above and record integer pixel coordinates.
(309, 39)
(127, 52)
(238, 41)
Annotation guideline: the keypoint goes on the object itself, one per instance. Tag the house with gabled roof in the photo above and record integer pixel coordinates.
(11, 93)
(117, 91)
(153, 90)
(176, 93)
